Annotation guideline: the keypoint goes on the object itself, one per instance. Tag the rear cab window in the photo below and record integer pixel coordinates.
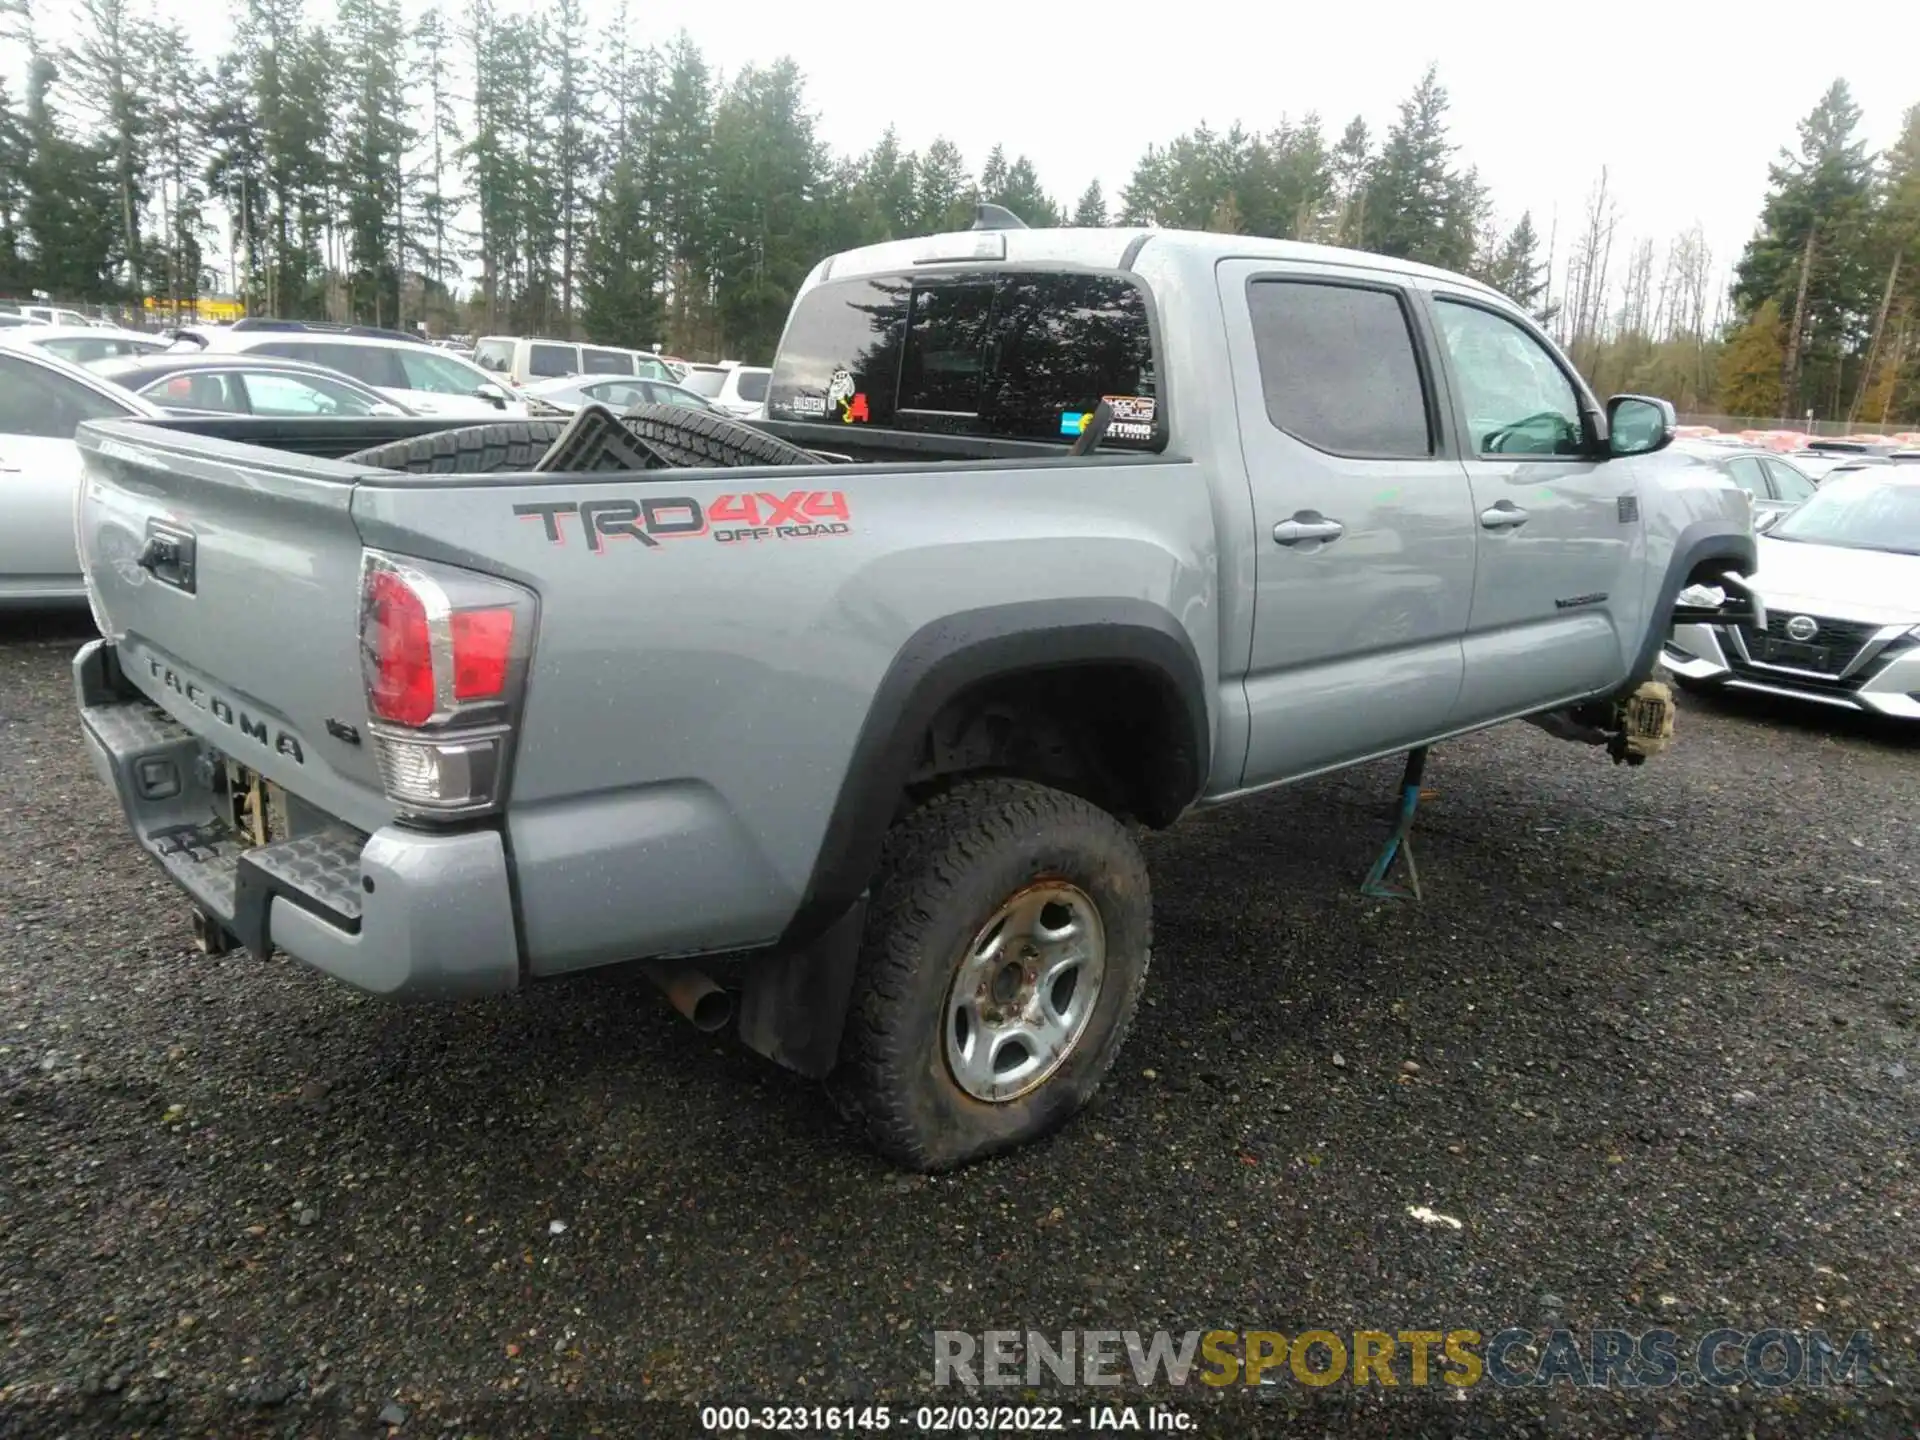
(1006, 354)
(552, 361)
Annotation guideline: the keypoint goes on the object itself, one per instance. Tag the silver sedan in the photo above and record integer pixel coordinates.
(618, 393)
(43, 400)
(1840, 579)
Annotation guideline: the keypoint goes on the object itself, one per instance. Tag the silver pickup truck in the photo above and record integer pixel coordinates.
(839, 723)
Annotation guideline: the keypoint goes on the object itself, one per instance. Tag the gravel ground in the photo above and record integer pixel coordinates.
(1665, 1034)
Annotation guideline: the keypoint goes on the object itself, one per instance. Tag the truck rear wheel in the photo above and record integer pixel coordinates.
(1006, 944)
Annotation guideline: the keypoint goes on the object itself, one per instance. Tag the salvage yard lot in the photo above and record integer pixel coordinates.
(1665, 1034)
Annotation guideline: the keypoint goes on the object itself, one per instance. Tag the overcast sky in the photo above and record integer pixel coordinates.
(1686, 103)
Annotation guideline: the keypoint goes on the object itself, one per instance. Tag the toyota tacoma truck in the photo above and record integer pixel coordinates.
(843, 724)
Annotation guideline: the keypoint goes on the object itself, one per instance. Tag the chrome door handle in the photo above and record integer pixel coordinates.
(1504, 516)
(1292, 532)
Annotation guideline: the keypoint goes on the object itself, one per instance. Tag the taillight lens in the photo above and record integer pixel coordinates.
(482, 649)
(401, 686)
(444, 652)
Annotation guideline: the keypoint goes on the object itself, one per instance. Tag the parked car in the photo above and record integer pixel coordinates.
(11, 321)
(81, 344)
(1132, 521)
(43, 399)
(244, 384)
(1776, 483)
(1840, 579)
(570, 392)
(522, 361)
(426, 380)
(740, 390)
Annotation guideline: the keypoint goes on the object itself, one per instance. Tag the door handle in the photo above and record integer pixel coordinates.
(1504, 516)
(1307, 526)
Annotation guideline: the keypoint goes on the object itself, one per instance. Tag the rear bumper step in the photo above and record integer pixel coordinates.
(403, 913)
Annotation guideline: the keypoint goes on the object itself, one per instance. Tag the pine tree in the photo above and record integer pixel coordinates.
(106, 75)
(1517, 270)
(1091, 208)
(1023, 196)
(892, 185)
(943, 190)
(1351, 165)
(1418, 207)
(1808, 255)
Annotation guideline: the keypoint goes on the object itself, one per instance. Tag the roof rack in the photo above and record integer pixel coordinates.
(326, 327)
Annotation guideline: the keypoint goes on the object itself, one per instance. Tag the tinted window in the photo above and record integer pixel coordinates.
(1338, 369)
(199, 390)
(605, 362)
(753, 386)
(839, 359)
(1062, 343)
(552, 360)
(437, 374)
(35, 401)
(944, 362)
(271, 394)
(1518, 400)
(706, 382)
(369, 364)
(1791, 484)
(494, 355)
(1746, 473)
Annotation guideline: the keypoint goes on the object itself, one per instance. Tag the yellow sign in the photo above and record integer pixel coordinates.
(205, 308)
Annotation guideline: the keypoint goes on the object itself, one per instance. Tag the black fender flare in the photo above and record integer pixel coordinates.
(938, 662)
(1703, 540)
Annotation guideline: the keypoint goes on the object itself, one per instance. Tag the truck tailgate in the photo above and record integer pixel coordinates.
(228, 578)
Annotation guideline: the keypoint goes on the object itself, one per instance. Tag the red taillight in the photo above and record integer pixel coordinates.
(482, 646)
(401, 689)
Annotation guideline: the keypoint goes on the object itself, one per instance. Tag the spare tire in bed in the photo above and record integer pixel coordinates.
(699, 438)
(679, 434)
(469, 450)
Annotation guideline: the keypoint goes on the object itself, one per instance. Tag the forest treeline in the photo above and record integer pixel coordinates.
(489, 170)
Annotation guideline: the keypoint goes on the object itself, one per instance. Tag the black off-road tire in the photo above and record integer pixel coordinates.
(498, 445)
(696, 439)
(944, 870)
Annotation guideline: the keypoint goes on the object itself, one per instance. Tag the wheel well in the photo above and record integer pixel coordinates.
(1115, 734)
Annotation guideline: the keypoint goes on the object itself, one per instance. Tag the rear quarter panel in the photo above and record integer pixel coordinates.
(694, 705)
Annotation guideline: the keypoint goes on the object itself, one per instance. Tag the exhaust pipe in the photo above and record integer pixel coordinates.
(694, 995)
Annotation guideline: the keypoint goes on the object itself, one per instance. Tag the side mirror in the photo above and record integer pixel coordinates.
(1766, 520)
(384, 409)
(1640, 425)
(492, 395)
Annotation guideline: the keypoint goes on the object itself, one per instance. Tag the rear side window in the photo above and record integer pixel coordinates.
(36, 401)
(552, 361)
(1018, 355)
(1789, 482)
(1747, 474)
(1338, 368)
(369, 364)
(605, 362)
(494, 355)
(706, 382)
(753, 386)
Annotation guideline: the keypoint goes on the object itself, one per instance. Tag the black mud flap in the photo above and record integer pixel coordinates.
(793, 1007)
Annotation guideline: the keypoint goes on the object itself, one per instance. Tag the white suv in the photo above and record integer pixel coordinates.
(423, 378)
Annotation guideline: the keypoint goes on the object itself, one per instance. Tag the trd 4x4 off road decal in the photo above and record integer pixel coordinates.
(728, 520)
